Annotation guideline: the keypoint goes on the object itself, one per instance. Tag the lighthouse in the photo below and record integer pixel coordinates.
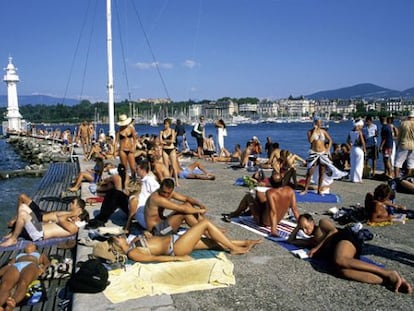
(13, 115)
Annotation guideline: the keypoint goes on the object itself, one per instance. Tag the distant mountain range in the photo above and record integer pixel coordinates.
(38, 100)
(363, 90)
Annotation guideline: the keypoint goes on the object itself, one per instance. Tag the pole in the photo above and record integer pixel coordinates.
(110, 69)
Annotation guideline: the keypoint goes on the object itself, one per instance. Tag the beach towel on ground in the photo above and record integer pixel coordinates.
(313, 197)
(169, 278)
(284, 229)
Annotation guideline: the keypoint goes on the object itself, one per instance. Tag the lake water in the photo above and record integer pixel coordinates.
(291, 136)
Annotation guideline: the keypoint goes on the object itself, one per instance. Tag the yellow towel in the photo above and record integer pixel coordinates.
(379, 224)
(169, 278)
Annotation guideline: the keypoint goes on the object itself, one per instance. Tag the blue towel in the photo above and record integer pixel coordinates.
(313, 197)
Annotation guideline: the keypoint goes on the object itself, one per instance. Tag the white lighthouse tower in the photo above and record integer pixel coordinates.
(13, 115)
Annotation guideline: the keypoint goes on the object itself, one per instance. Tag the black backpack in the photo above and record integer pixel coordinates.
(92, 277)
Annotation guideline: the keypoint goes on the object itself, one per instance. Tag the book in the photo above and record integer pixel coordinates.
(301, 253)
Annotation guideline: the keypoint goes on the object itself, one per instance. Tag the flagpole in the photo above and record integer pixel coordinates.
(110, 85)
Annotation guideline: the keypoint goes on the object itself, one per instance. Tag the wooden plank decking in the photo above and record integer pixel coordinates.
(56, 180)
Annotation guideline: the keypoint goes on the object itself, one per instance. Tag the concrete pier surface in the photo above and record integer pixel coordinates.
(269, 277)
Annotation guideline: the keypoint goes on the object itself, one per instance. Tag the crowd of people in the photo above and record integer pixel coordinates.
(143, 185)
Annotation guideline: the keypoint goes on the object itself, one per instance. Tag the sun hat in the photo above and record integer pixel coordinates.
(255, 138)
(123, 120)
(359, 122)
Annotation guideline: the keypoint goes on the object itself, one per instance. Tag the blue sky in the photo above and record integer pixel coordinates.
(207, 49)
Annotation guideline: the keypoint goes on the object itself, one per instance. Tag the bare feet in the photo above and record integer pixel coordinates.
(9, 242)
(253, 243)
(10, 304)
(400, 285)
(303, 192)
(240, 250)
(72, 189)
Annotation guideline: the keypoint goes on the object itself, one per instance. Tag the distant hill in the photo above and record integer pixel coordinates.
(363, 90)
(38, 100)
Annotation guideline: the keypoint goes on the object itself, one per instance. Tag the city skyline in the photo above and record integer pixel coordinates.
(207, 49)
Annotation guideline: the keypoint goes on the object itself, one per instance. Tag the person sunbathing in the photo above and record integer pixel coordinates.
(268, 208)
(39, 225)
(194, 170)
(17, 275)
(343, 249)
(179, 247)
(234, 157)
(377, 204)
(94, 175)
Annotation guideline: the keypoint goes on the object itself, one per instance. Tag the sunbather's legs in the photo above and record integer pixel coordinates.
(358, 270)
(9, 280)
(27, 276)
(192, 239)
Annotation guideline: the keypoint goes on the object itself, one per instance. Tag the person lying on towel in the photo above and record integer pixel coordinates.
(343, 249)
(267, 208)
(17, 275)
(39, 225)
(179, 247)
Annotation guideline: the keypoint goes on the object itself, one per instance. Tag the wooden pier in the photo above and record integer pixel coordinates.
(57, 179)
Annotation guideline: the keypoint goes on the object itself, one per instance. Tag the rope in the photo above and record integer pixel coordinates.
(151, 51)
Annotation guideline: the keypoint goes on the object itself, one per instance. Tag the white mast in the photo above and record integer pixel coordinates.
(110, 73)
(13, 115)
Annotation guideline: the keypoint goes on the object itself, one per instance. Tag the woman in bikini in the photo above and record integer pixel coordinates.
(17, 275)
(320, 144)
(167, 140)
(127, 140)
(179, 247)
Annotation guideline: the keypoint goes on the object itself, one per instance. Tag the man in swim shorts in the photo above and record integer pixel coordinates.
(41, 225)
(165, 198)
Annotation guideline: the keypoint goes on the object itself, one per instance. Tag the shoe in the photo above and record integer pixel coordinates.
(226, 218)
(94, 223)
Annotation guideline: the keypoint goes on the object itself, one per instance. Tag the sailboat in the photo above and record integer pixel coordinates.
(154, 121)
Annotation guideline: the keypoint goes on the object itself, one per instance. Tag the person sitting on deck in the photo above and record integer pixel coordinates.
(179, 247)
(268, 208)
(340, 247)
(94, 175)
(234, 157)
(17, 275)
(152, 218)
(39, 225)
(194, 170)
(149, 184)
(377, 205)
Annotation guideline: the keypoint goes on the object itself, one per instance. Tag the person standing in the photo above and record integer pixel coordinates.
(127, 139)
(405, 146)
(169, 155)
(83, 137)
(370, 132)
(199, 133)
(179, 135)
(320, 146)
(386, 146)
(356, 139)
(221, 132)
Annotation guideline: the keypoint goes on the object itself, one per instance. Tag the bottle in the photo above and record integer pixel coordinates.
(35, 298)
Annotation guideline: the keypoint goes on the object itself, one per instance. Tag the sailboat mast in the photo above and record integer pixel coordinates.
(110, 70)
